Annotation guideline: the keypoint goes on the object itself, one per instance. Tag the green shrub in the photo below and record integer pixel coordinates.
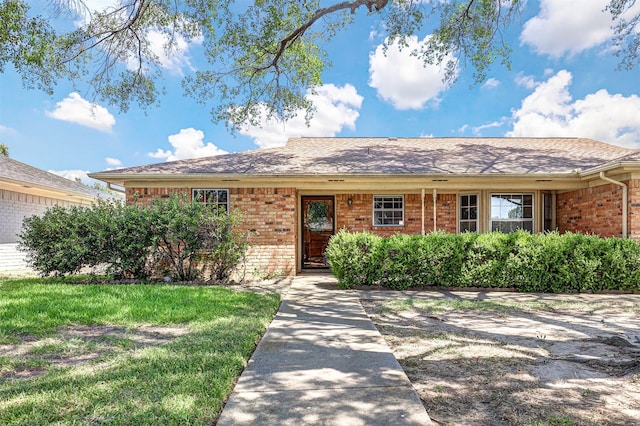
(167, 237)
(416, 260)
(485, 260)
(352, 258)
(528, 262)
(55, 242)
(224, 246)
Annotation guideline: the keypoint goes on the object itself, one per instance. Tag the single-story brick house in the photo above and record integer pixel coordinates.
(27, 191)
(295, 197)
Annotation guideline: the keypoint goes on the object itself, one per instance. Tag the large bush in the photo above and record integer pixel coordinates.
(412, 260)
(353, 258)
(169, 237)
(526, 262)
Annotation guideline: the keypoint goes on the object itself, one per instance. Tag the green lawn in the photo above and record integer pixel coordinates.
(50, 375)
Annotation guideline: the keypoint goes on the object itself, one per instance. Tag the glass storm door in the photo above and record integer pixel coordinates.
(317, 227)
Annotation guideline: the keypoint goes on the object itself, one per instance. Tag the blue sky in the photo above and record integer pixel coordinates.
(563, 82)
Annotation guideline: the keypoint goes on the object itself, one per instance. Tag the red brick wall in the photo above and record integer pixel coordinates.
(596, 210)
(446, 206)
(269, 214)
(359, 216)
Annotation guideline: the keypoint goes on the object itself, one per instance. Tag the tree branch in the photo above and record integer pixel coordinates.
(372, 5)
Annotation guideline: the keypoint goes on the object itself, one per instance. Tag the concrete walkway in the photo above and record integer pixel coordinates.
(323, 362)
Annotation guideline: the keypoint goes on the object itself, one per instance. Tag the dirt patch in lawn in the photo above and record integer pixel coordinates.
(72, 346)
(492, 363)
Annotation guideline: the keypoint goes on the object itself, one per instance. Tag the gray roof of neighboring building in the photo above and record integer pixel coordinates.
(14, 171)
(376, 156)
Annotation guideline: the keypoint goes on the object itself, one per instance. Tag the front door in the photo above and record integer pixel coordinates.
(318, 226)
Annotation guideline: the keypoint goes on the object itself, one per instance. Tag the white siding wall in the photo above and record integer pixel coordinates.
(15, 206)
(12, 259)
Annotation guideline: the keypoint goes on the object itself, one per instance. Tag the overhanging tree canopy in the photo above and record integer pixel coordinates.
(261, 54)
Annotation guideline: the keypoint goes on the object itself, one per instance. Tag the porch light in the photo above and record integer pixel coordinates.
(349, 201)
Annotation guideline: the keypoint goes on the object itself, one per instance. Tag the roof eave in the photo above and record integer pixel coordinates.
(622, 165)
(120, 178)
(39, 189)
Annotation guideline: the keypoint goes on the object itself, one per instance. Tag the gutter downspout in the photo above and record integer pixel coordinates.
(625, 202)
(422, 204)
(122, 191)
(435, 213)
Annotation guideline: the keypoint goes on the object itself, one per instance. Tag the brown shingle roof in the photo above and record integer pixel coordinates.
(374, 156)
(16, 172)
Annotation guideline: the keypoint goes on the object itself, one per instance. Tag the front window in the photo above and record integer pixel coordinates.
(469, 213)
(510, 212)
(388, 210)
(216, 198)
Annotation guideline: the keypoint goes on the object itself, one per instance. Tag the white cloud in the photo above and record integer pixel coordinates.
(75, 109)
(113, 162)
(175, 62)
(176, 59)
(188, 143)
(551, 111)
(526, 81)
(7, 130)
(75, 175)
(402, 79)
(477, 131)
(336, 108)
(569, 26)
(86, 8)
(491, 83)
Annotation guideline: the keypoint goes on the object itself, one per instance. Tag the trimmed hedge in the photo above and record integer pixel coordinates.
(526, 262)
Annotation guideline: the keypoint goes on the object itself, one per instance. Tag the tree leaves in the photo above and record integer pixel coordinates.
(261, 56)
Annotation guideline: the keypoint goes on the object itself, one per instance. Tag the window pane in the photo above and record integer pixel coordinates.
(377, 218)
(515, 212)
(388, 211)
(511, 206)
(468, 215)
(473, 213)
(218, 199)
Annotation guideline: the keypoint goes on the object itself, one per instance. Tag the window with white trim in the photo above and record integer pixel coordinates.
(217, 198)
(468, 219)
(510, 212)
(388, 210)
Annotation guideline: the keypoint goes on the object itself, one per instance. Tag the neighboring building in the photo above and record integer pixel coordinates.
(295, 197)
(27, 191)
